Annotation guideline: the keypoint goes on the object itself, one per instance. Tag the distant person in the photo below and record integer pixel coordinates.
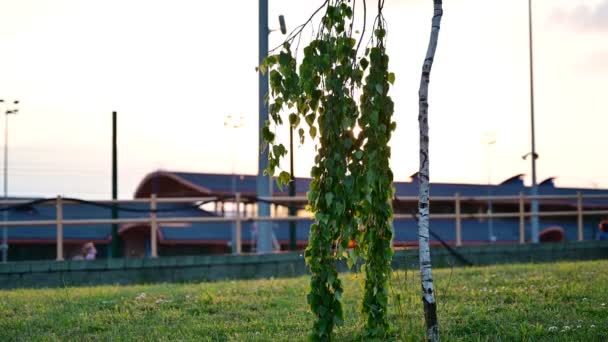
(603, 230)
(89, 251)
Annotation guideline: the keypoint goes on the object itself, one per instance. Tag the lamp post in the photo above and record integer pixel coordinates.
(490, 141)
(7, 112)
(233, 123)
(534, 190)
(263, 183)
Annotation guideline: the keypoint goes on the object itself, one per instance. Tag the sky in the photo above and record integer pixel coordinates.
(174, 69)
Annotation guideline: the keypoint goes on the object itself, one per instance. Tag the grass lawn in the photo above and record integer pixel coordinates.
(559, 301)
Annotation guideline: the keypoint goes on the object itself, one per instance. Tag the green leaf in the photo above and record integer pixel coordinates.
(329, 198)
(313, 132)
(331, 278)
(270, 60)
(391, 77)
(267, 135)
(294, 120)
(284, 179)
(364, 63)
(310, 119)
(379, 88)
(279, 150)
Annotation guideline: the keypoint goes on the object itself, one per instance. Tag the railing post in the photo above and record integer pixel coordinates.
(393, 223)
(237, 239)
(458, 220)
(59, 209)
(579, 214)
(153, 227)
(522, 219)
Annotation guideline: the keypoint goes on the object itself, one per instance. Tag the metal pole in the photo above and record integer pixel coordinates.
(522, 219)
(238, 242)
(153, 227)
(59, 209)
(115, 245)
(534, 191)
(491, 236)
(4, 245)
(292, 193)
(579, 215)
(458, 220)
(232, 123)
(5, 212)
(264, 239)
(235, 203)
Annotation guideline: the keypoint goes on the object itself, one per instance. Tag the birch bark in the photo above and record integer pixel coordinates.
(428, 293)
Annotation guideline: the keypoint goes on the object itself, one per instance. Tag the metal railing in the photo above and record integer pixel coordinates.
(154, 221)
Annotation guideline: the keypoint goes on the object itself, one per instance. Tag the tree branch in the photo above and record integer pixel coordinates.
(291, 36)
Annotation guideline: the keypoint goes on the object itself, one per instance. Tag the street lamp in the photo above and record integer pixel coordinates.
(233, 123)
(8, 110)
(534, 190)
(490, 140)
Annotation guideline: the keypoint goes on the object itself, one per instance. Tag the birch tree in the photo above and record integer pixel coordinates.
(428, 293)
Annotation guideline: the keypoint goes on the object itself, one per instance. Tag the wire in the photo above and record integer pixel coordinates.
(102, 205)
(446, 245)
(134, 210)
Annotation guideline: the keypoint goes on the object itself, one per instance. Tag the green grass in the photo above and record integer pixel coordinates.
(558, 301)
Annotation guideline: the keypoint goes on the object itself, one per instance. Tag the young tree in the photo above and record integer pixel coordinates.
(428, 293)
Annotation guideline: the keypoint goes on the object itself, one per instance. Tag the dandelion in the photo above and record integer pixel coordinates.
(592, 326)
(141, 296)
(566, 327)
(552, 328)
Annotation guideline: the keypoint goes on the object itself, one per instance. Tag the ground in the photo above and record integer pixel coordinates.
(555, 301)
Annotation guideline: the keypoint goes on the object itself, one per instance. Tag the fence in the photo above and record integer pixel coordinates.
(155, 221)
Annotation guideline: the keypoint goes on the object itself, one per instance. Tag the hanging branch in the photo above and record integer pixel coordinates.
(376, 107)
(298, 30)
(351, 179)
(428, 295)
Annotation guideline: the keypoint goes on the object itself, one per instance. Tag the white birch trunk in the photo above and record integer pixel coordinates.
(428, 293)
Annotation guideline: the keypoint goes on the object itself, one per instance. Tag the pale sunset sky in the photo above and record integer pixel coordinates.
(173, 69)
